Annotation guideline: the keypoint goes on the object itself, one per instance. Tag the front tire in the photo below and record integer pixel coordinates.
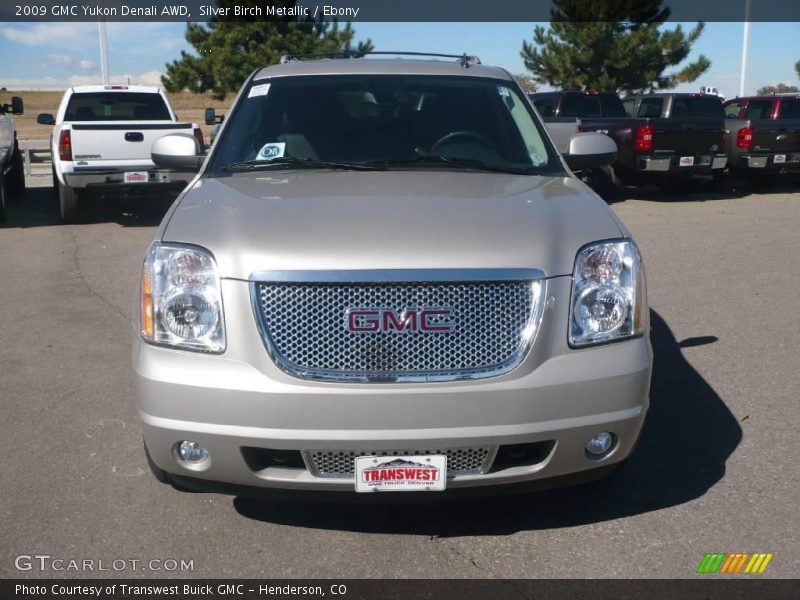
(16, 177)
(69, 203)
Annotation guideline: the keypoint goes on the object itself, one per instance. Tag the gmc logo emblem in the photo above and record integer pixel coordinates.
(413, 320)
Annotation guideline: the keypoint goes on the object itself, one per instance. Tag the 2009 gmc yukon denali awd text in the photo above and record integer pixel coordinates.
(385, 278)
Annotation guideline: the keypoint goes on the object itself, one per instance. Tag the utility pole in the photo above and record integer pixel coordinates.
(745, 43)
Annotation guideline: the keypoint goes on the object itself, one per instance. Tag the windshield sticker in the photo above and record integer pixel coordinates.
(272, 150)
(537, 159)
(503, 91)
(258, 90)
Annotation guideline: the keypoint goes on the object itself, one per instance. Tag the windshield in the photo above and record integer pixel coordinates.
(116, 106)
(383, 121)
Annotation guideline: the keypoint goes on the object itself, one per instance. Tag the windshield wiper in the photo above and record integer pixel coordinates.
(466, 163)
(290, 161)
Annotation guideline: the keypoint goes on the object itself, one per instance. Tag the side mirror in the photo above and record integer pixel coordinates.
(212, 118)
(46, 119)
(590, 151)
(179, 151)
(17, 107)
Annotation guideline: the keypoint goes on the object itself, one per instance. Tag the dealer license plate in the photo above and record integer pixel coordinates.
(401, 473)
(779, 158)
(686, 161)
(137, 177)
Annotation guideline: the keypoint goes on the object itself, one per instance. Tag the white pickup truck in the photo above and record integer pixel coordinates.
(101, 142)
(12, 175)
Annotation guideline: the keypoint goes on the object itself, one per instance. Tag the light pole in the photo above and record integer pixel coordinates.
(101, 28)
(745, 43)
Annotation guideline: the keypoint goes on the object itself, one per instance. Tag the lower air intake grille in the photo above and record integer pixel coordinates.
(341, 463)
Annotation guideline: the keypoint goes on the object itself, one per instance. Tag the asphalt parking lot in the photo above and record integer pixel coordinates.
(715, 471)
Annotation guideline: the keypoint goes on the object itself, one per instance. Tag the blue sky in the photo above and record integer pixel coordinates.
(55, 55)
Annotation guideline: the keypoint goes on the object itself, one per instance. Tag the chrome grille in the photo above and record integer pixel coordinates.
(341, 463)
(304, 325)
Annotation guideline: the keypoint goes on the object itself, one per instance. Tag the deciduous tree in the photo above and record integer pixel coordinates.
(781, 88)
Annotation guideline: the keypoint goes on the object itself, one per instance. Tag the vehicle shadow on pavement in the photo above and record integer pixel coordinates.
(688, 435)
(39, 208)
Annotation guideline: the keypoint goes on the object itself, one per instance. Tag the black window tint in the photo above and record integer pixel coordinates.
(758, 109)
(580, 105)
(650, 108)
(790, 109)
(697, 106)
(611, 106)
(116, 106)
(545, 106)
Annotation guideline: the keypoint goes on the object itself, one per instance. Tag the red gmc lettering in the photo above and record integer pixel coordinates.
(408, 321)
(435, 312)
(363, 320)
(423, 320)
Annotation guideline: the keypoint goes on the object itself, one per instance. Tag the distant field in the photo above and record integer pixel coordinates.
(188, 106)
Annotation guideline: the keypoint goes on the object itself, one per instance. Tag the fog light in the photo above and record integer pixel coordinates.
(192, 452)
(600, 445)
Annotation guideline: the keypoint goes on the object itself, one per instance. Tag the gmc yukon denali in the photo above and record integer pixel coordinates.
(385, 278)
(101, 142)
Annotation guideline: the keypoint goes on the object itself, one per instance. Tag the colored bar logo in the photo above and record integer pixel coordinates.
(734, 562)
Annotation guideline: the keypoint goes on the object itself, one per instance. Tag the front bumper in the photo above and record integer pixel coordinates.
(240, 400)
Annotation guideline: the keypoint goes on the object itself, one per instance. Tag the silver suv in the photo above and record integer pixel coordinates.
(385, 278)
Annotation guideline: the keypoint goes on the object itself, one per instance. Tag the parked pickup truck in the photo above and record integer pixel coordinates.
(763, 135)
(654, 145)
(102, 140)
(386, 279)
(12, 174)
(684, 136)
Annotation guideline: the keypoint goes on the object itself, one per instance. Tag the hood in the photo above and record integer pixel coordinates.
(345, 220)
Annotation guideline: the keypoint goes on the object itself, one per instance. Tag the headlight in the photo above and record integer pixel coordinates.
(608, 294)
(181, 303)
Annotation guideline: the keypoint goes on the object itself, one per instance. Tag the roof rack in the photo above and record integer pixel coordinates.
(465, 60)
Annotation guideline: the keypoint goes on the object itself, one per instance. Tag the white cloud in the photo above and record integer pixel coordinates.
(60, 35)
(61, 83)
(86, 65)
(30, 84)
(62, 60)
(146, 78)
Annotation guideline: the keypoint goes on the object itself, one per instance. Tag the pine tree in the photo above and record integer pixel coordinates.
(626, 51)
(227, 51)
